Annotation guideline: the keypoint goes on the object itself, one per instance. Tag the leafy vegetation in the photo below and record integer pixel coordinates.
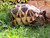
(19, 31)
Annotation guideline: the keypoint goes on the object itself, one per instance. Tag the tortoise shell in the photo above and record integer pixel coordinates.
(24, 14)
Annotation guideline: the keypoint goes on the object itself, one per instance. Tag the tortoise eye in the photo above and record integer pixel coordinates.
(15, 10)
(24, 9)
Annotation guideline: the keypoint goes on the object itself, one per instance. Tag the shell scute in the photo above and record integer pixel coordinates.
(24, 15)
(15, 10)
(24, 9)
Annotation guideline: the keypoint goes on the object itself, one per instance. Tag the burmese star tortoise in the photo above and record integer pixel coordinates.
(26, 14)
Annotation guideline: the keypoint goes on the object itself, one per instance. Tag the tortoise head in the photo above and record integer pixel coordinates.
(43, 13)
(42, 17)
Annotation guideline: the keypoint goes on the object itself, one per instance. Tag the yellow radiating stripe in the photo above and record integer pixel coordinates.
(18, 20)
(36, 14)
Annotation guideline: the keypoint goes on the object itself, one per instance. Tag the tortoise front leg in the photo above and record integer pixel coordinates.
(42, 20)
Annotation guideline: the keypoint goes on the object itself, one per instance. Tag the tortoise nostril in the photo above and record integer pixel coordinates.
(42, 11)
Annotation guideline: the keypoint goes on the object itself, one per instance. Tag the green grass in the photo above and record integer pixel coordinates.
(21, 31)
(26, 32)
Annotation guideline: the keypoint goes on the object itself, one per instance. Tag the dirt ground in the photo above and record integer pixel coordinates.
(42, 5)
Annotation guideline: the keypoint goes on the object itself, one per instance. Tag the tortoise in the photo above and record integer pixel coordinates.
(26, 14)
